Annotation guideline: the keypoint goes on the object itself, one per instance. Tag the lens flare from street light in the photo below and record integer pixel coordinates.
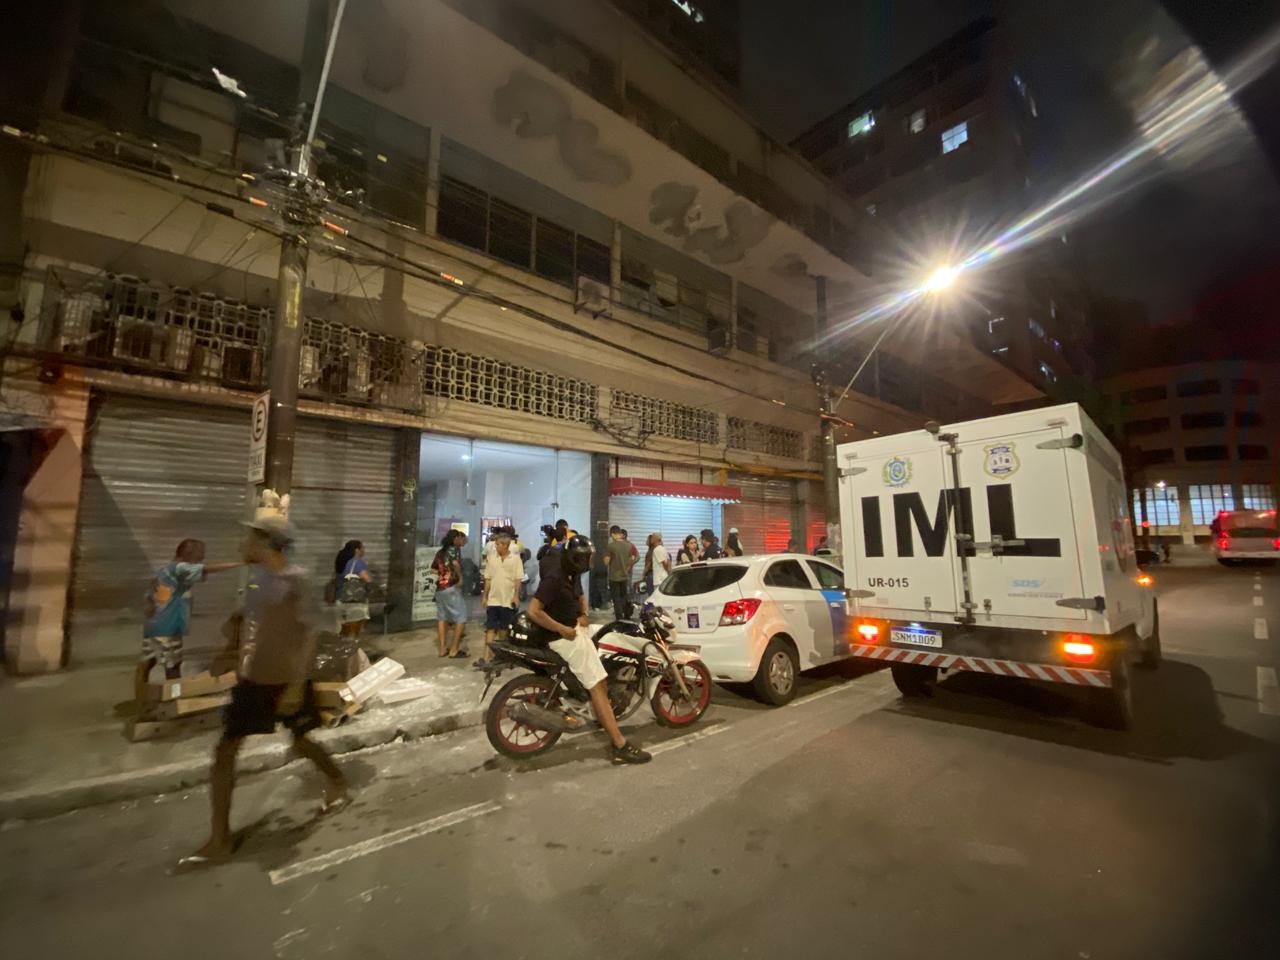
(941, 279)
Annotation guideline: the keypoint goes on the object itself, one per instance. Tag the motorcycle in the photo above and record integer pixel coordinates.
(530, 712)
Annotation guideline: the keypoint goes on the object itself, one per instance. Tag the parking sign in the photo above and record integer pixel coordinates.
(258, 439)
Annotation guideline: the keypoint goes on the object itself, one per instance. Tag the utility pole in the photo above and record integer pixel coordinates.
(303, 193)
(830, 470)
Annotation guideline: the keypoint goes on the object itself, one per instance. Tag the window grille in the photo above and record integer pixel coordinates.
(762, 438)
(452, 375)
(667, 419)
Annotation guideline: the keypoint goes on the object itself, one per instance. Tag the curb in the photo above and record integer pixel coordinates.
(78, 794)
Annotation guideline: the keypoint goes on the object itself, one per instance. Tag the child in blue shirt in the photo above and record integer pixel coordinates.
(168, 612)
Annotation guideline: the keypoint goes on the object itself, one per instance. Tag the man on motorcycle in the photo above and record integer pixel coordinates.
(557, 609)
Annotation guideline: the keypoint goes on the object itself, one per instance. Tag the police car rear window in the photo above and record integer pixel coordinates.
(692, 581)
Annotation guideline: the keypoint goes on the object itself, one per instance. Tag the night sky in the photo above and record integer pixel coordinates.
(1202, 218)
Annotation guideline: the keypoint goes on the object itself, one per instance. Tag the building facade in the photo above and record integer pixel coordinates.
(1198, 439)
(558, 276)
(945, 153)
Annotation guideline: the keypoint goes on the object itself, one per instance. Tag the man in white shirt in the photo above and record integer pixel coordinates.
(503, 574)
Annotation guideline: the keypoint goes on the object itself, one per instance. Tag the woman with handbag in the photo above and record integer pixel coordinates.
(351, 581)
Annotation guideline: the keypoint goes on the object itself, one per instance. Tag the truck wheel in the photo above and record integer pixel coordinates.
(1113, 709)
(914, 681)
(1151, 655)
(775, 680)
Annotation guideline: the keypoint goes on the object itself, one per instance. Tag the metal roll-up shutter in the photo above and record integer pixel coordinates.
(675, 518)
(343, 487)
(155, 472)
(815, 514)
(763, 518)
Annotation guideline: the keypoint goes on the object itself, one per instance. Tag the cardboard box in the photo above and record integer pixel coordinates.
(332, 696)
(201, 685)
(172, 709)
(365, 685)
(406, 688)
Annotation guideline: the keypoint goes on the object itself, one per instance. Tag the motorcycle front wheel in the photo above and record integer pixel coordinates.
(671, 707)
(514, 738)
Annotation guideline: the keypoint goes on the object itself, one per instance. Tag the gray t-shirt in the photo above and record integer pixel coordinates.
(278, 642)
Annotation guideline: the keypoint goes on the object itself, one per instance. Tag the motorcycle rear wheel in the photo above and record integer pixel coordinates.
(669, 707)
(513, 738)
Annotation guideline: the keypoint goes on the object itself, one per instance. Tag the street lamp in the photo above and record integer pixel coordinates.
(941, 279)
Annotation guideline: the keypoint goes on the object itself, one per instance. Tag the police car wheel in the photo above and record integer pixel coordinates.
(775, 680)
(914, 681)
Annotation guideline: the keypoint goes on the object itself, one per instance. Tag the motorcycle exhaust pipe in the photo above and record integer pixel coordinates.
(540, 718)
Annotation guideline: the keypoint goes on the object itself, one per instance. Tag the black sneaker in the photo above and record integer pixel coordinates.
(628, 753)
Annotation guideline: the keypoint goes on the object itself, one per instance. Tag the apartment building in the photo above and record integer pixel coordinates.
(562, 275)
(1198, 438)
(944, 152)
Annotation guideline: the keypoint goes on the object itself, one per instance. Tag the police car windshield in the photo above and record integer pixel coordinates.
(691, 581)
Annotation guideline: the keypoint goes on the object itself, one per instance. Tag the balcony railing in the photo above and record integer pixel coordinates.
(125, 323)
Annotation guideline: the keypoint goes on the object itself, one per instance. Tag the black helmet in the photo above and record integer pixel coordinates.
(577, 555)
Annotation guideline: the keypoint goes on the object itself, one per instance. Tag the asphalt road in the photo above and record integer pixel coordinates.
(989, 822)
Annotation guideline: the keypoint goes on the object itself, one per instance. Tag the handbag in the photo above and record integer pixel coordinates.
(352, 589)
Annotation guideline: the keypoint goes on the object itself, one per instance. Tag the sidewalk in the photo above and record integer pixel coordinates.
(65, 744)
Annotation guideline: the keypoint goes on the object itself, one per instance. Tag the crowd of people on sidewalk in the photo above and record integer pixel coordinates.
(271, 640)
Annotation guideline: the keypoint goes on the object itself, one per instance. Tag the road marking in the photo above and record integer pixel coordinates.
(686, 740)
(1268, 692)
(1259, 628)
(822, 693)
(1257, 601)
(365, 847)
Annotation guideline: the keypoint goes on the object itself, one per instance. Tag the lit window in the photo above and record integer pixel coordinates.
(998, 351)
(1162, 506)
(1208, 500)
(1035, 328)
(871, 209)
(1020, 84)
(1031, 102)
(955, 136)
(1046, 371)
(1257, 496)
(1053, 309)
(991, 324)
(916, 123)
(862, 124)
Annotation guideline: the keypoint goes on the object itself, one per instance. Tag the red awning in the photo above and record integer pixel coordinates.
(636, 486)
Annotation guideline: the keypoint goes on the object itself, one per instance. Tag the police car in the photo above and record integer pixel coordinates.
(761, 619)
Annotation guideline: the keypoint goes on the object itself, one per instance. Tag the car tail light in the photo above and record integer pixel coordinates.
(1078, 648)
(1276, 543)
(1224, 543)
(739, 611)
(1145, 580)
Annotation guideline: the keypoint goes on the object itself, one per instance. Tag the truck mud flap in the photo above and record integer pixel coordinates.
(1044, 672)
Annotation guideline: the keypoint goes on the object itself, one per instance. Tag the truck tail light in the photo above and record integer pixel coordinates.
(737, 612)
(867, 631)
(1078, 648)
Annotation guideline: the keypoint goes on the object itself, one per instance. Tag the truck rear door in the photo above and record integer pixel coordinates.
(898, 508)
(1025, 557)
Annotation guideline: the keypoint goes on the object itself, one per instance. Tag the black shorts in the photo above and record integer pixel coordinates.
(499, 618)
(254, 709)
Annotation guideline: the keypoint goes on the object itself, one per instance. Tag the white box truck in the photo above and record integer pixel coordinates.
(1001, 546)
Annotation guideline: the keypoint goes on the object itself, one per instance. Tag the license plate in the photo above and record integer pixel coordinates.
(693, 620)
(916, 636)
